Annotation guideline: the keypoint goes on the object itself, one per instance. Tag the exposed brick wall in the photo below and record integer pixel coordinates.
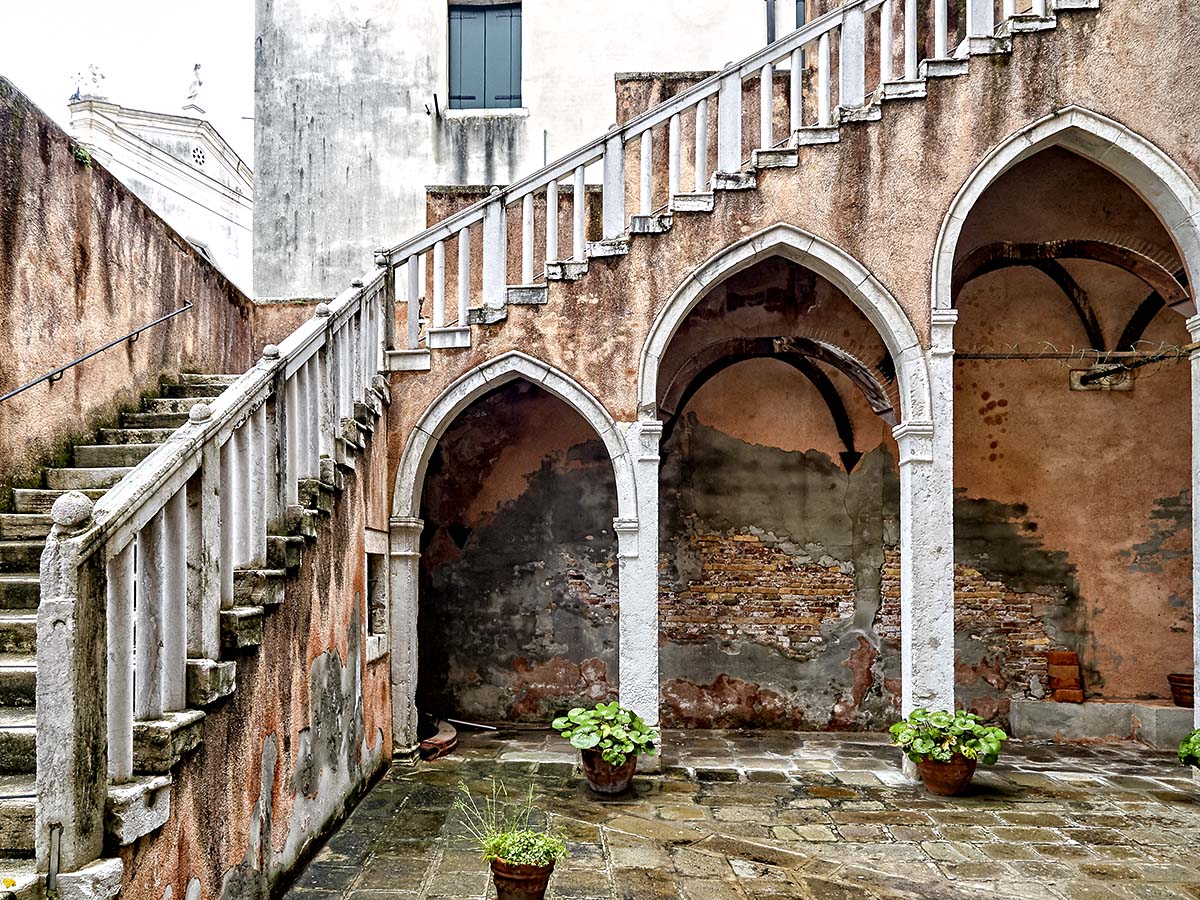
(757, 591)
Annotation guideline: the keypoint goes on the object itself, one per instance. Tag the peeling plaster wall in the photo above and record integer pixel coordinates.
(1099, 479)
(518, 587)
(84, 261)
(307, 729)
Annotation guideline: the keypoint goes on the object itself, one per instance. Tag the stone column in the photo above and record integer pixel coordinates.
(1193, 325)
(404, 557)
(927, 535)
(637, 550)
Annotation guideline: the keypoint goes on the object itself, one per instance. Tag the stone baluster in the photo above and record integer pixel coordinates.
(464, 275)
(204, 501)
(852, 58)
(527, 239)
(148, 615)
(981, 18)
(229, 487)
(439, 285)
(886, 61)
(766, 111)
(911, 54)
(495, 253)
(1039, 8)
(119, 664)
(613, 202)
(1010, 8)
(174, 603)
(796, 91)
(673, 154)
(701, 163)
(326, 359)
(412, 297)
(940, 34)
(579, 218)
(244, 511)
(354, 330)
(646, 197)
(729, 124)
(312, 434)
(271, 504)
(824, 100)
(551, 222)
(291, 418)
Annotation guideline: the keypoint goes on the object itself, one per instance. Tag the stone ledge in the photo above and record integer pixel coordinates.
(100, 880)
(259, 587)
(904, 90)
(566, 270)
(607, 249)
(783, 158)
(241, 628)
(137, 808)
(158, 744)
(816, 134)
(734, 181)
(526, 295)
(942, 68)
(1161, 727)
(284, 552)
(209, 681)
(408, 360)
(658, 223)
(695, 202)
(486, 315)
(449, 338)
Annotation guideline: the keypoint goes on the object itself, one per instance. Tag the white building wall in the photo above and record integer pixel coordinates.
(348, 131)
(211, 204)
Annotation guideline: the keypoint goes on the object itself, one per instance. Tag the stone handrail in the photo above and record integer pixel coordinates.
(148, 572)
(848, 24)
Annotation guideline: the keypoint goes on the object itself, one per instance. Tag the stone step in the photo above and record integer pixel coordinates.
(241, 627)
(18, 743)
(701, 202)
(159, 744)
(39, 500)
(23, 526)
(112, 436)
(153, 420)
(285, 551)
(18, 679)
(566, 270)
(108, 455)
(18, 795)
(200, 389)
(21, 556)
(171, 404)
(225, 379)
(19, 591)
(18, 632)
(80, 479)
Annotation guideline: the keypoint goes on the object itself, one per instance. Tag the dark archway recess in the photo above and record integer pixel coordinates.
(1169, 290)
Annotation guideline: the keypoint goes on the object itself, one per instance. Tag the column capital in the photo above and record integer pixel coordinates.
(942, 323)
(645, 437)
(1193, 327)
(404, 535)
(915, 440)
(627, 531)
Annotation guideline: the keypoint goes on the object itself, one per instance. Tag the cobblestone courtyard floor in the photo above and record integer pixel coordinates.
(775, 815)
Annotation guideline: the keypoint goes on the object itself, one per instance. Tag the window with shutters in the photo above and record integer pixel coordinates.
(485, 57)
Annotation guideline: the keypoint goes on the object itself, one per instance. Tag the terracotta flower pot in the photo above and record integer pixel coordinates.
(605, 778)
(517, 882)
(1183, 689)
(947, 778)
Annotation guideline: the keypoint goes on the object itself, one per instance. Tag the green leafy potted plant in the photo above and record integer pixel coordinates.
(947, 747)
(609, 738)
(522, 857)
(1189, 750)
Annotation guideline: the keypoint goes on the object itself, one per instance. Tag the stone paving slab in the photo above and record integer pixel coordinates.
(772, 815)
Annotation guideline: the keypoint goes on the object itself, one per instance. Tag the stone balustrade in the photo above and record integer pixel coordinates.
(148, 595)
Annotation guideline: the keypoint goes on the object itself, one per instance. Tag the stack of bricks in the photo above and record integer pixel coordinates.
(1066, 684)
(751, 591)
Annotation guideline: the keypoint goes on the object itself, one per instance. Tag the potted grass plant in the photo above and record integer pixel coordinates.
(947, 747)
(609, 738)
(521, 855)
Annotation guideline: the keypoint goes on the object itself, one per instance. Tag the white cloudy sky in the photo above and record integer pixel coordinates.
(145, 48)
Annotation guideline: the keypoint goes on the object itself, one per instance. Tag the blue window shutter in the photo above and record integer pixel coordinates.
(498, 76)
(801, 13)
(515, 67)
(467, 58)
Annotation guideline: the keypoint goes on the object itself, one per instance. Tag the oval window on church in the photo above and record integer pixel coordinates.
(198, 156)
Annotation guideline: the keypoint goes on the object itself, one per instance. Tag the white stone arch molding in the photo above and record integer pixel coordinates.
(1160, 182)
(418, 449)
(832, 263)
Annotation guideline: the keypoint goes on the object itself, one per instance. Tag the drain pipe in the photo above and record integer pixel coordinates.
(770, 21)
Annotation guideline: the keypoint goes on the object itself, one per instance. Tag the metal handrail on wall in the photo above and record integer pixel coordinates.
(131, 337)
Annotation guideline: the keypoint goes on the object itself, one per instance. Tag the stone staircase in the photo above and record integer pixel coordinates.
(96, 467)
